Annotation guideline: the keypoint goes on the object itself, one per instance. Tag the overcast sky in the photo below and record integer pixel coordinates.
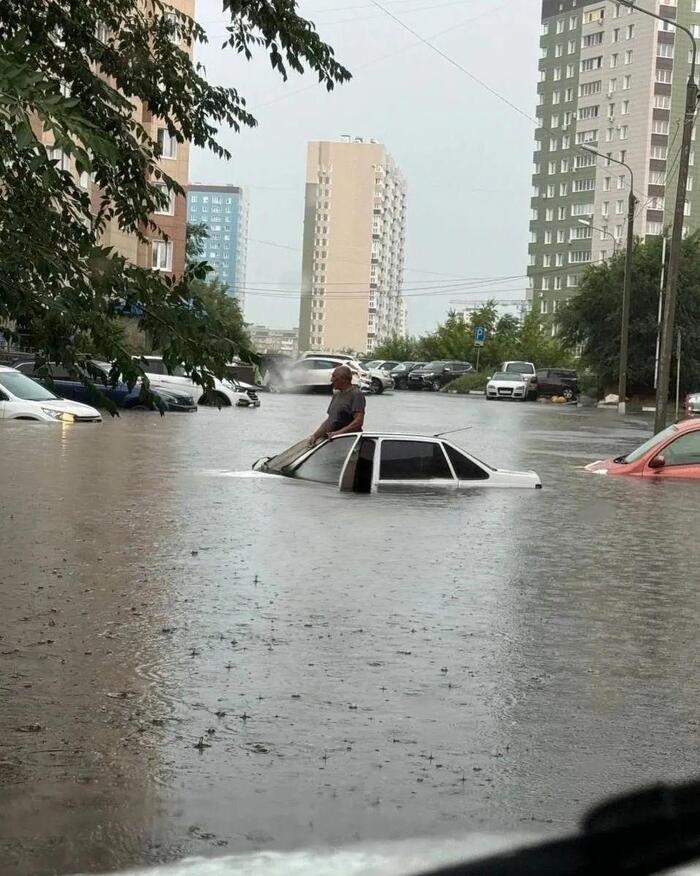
(466, 155)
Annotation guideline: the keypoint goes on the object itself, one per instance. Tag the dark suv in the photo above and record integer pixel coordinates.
(437, 374)
(557, 382)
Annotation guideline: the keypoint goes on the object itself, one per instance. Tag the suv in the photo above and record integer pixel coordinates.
(437, 374)
(529, 373)
(557, 382)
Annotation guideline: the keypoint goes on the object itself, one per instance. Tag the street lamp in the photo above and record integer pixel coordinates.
(602, 231)
(674, 258)
(627, 285)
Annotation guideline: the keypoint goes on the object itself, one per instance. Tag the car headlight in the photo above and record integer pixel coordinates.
(63, 416)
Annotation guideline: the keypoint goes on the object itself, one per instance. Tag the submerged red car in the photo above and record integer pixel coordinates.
(673, 453)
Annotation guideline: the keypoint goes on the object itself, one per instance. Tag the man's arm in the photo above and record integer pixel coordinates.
(321, 432)
(354, 426)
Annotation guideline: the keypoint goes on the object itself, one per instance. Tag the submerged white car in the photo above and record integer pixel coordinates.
(22, 398)
(369, 462)
(506, 384)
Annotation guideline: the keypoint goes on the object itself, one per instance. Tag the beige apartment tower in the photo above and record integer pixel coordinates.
(353, 257)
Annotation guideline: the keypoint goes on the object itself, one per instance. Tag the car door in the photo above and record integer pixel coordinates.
(412, 462)
(681, 458)
(544, 384)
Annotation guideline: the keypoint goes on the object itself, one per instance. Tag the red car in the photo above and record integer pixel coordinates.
(673, 453)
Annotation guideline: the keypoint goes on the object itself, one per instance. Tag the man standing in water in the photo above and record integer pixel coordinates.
(346, 412)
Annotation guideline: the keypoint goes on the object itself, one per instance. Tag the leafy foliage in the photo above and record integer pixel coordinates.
(467, 383)
(593, 317)
(507, 338)
(70, 72)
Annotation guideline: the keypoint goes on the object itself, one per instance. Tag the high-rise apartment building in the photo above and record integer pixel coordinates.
(224, 211)
(612, 79)
(353, 257)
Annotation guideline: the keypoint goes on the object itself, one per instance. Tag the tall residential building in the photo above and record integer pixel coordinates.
(613, 79)
(274, 340)
(353, 257)
(224, 211)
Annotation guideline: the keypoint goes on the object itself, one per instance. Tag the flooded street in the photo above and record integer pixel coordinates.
(357, 667)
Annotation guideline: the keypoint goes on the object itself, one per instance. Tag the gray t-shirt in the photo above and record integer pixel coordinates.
(343, 407)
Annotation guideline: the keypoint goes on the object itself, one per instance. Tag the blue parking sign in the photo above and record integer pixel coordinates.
(479, 336)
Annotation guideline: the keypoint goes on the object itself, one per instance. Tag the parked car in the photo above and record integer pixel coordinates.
(437, 374)
(529, 372)
(369, 462)
(379, 365)
(553, 382)
(379, 379)
(22, 398)
(504, 384)
(672, 453)
(123, 397)
(313, 374)
(400, 373)
(225, 393)
(692, 405)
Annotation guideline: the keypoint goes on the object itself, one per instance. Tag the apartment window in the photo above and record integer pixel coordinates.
(548, 237)
(616, 35)
(167, 144)
(658, 178)
(630, 31)
(560, 26)
(570, 71)
(169, 209)
(628, 56)
(557, 285)
(611, 111)
(614, 59)
(558, 50)
(569, 94)
(594, 15)
(571, 281)
(609, 135)
(535, 169)
(56, 154)
(589, 64)
(586, 137)
(696, 5)
(544, 306)
(559, 259)
(655, 227)
(626, 83)
(659, 152)
(623, 154)
(556, 74)
(568, 118)
(616, 11)
(665, 76)
(564, 165)
(664, 50)
(533, 237)
(556, 97)
(549, 214)
(553, 145)
(534, 215)
(592, 39)
(582, 210)
(624, 107)
(544, 30)
(545, 284)
(618, 232)
(571, 47)
(586, 160)
(565, 141)
(686, 209)
(563, 189)
(588, 112)
(619, 207)
(660, 126)
(583, 185)
(552, 167)
(605, 209)
(579, 257)
(554, 122)
(162, 255)
(546, 261)
(612, 86)
(657, 203)
(589, 88)
(573, 23)
(194, 199)
(624, 132)
(561, 236)
(561, 213)
(550, 191)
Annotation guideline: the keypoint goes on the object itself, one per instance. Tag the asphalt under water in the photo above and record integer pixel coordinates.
(357, 667)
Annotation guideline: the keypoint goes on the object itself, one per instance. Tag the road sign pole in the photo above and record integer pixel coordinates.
(478, 350)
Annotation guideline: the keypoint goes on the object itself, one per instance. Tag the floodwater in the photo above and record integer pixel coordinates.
(357, 667)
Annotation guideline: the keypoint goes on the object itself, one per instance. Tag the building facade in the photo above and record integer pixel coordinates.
(272, 340)
(224, 211)
(612, 79)
(353, 254)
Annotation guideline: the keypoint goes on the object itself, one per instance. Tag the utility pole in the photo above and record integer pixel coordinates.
(674, 258)
(661, 310)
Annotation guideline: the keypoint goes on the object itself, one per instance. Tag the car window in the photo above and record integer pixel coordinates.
(413, 460)
(465, 468)
(520, 367)
(685, 450)
(325, 465)
(152, 366)
(24, 387)
(322, 364)
(652, 442)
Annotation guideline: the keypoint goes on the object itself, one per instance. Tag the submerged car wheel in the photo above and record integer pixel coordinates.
(377, 386)
(215, 400)
(436, 386)
(568, 393)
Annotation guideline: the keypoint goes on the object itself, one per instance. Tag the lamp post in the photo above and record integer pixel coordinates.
(627, 285)
(602, 231)
(674, 258)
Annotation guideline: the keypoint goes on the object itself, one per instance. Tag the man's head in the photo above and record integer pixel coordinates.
(341, 378)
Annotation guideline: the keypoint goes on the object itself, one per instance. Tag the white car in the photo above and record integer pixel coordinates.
(226, 392)
(506, 384)
(377, 379)
(529, 373)
(313, 373)
(369, 462)
(22, 398)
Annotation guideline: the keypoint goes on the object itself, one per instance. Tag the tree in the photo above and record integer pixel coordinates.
(72, 70)
(398, 348)
(592, 318)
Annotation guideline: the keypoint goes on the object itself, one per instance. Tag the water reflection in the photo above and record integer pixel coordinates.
(381, 666)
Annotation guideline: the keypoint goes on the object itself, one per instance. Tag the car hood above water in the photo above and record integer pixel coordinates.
(70, 407)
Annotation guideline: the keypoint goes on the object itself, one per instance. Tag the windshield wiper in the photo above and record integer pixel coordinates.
(637, 834)
(621, 460)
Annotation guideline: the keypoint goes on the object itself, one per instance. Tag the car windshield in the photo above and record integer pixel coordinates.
(434, 366)
(24, 387)
(373, 363)
(504, 375)
(648, 445)
(520, 368)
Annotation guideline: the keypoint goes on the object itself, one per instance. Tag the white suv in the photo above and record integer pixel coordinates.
(226, 392)
(529, 375)
(314, 373)
(22, 398)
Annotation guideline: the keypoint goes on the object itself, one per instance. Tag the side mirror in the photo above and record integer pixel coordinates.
(657, 462)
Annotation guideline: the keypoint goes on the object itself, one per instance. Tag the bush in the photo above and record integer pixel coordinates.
(589, 384)
(467, 383)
